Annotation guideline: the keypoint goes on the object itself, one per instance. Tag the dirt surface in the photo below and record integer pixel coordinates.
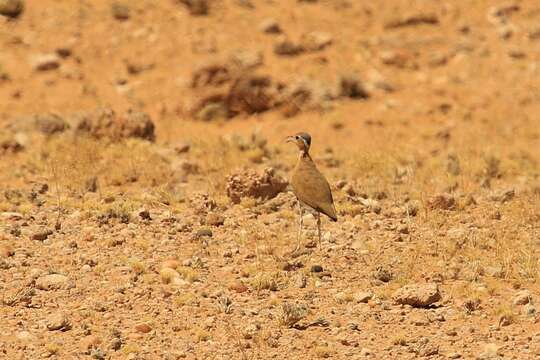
(144, 206)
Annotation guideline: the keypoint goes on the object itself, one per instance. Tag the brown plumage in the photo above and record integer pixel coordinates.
(310, 186)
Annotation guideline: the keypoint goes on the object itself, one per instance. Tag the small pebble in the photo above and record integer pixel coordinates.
(143, 328)
(238, 287)
(204, 232)
(270, 26)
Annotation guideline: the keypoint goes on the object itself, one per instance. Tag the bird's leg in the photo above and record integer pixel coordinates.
(319, 229)
(300, 224)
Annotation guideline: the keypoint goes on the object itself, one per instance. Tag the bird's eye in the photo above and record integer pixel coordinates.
(297, 137)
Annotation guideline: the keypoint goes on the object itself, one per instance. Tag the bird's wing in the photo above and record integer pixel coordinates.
(311, 187)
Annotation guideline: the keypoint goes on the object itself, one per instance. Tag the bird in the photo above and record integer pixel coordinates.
(310, 186)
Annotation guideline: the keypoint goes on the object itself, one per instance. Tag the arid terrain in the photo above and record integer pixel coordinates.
(145, 211)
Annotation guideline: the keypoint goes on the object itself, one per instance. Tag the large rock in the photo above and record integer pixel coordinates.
(250, 95)
(523, 297)
(417, 295)
(11, 8)
(246, 94)
(442, 202)
(41, 234)
(248, 183)
(104, 123)
(304, 93)
(16, 295)
(58, 321)
(54, 282)
(50, 124)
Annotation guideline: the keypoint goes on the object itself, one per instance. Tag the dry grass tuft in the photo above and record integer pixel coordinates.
(400, 339)
(188, 273)
(78, 166)
(202, 335)
(186, 299)
(131, 348)
(290, 314)
(52, 349)
(490, 351)
(137, 266)
(344, 297)
(167, 275)
(506, 315)
(265, 281)
(224, 304)
(323, 351)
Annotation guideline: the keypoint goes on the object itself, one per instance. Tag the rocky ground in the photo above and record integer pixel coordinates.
(145, 211)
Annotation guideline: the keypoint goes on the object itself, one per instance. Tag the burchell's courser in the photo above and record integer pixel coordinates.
(310, 186)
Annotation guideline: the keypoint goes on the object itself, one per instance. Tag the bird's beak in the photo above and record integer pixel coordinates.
(289, 139)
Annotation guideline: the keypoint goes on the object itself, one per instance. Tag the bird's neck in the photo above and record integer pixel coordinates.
(304, 154)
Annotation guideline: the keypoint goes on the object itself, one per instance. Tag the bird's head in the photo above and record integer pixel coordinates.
(302, 140)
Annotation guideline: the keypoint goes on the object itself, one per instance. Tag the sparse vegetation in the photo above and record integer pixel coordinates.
(224, 304)
(202, 335)
(424, 119)
(168, 275)
(505, 315)
(399, 339)
(323, 352)
(137, 266)
(265, 281)
(52, 349)
(188, 273)
(290, 314)
(186, 299)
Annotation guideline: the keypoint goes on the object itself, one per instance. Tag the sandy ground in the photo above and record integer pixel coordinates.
(144, 206)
